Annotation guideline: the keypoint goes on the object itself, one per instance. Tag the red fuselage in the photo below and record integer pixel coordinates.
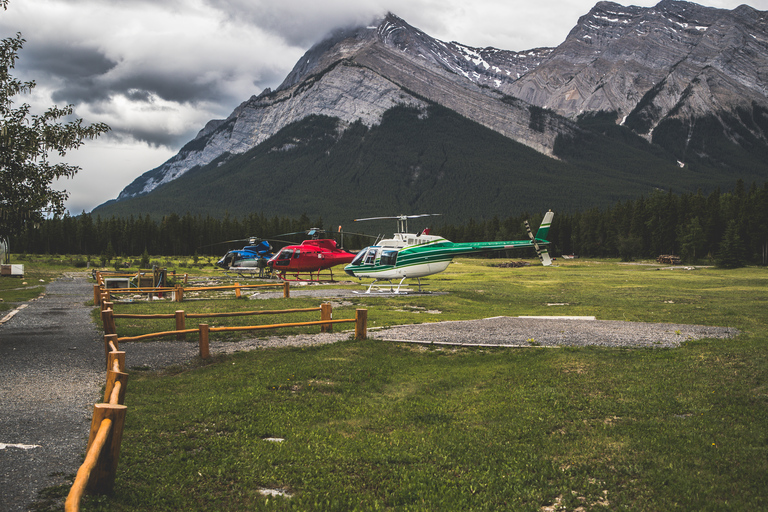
(310, 256)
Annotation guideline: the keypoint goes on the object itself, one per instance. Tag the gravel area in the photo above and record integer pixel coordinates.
(553, 331)
(52, 369)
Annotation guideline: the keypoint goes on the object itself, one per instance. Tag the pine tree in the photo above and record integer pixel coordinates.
(731, 248)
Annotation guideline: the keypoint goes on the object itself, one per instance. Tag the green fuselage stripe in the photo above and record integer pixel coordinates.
(440, 251)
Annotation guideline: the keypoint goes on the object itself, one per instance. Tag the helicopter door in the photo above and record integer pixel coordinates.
(370, 258)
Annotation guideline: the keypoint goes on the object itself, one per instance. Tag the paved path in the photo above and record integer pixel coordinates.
(51, 374)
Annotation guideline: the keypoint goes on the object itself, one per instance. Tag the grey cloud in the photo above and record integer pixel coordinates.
(68, 61)
(298, 23)
(159, 138)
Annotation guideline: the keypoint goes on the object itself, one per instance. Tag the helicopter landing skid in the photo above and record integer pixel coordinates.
(391, 287)
(307, 276)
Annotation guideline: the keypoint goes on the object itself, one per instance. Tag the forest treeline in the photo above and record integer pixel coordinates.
(727, 227)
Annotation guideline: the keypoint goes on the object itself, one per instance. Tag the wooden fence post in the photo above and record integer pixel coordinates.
(180, 316)
(186, 277)
(326, 313)
(107, 350)
(361, 324)
(118, 356)
(237, 290)
(204, 353)
(112, 324)
(102, 478)
(96, 295)
(112, 377)
(179, 293)
(109, 322)
(286, 290)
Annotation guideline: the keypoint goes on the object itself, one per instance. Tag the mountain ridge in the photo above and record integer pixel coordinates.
(688, 79)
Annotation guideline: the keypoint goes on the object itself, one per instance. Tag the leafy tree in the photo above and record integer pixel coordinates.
(26, 140)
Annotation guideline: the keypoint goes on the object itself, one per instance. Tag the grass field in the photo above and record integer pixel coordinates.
(378, 426)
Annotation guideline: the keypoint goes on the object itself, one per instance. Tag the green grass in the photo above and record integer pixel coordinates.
(38, 271)
(374, 426)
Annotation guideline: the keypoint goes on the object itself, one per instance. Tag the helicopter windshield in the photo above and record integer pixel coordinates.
(357, 259)
(365, 257)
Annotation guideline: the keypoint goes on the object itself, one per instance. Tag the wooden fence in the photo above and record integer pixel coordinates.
(326, 325)
(108, 319)
(97, 473)
(178, 291)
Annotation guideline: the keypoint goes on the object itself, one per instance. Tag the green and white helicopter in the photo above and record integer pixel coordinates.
(408, 255)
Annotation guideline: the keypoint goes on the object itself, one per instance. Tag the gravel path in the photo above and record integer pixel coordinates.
(52, 370)
(51, 373)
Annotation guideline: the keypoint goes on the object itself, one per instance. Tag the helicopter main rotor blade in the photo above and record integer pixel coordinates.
(250, 239)
(225, 242)
(399, 217)
(356, 234)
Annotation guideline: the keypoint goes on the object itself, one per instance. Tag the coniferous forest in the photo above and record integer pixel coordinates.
(729, 228)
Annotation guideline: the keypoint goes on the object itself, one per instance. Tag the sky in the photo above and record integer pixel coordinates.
(156, 72)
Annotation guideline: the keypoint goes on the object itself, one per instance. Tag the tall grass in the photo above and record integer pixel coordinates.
(373, 426)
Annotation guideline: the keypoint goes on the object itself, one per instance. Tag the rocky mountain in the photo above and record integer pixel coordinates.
(677, 60)
(357, 75)
(689, 79)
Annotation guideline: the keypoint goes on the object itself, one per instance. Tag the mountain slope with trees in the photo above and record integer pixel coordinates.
(422, 161)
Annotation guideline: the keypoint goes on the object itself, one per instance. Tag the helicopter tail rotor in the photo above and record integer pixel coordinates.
(541, 251)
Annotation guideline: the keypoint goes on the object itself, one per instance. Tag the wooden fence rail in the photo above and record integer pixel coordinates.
(108, 319)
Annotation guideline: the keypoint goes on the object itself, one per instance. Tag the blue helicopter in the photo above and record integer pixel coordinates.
(254, 255)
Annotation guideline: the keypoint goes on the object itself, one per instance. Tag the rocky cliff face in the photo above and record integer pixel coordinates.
(676, 60)
(357, 75)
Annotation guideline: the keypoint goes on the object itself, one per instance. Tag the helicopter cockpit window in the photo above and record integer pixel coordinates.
(296, 253)
(359, 258)
(370, 258)
(388, 257)
(285, 254)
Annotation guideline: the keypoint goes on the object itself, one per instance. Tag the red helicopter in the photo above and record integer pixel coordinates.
(304, 262)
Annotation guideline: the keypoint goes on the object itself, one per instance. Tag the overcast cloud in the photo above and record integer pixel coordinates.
(156, 72)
